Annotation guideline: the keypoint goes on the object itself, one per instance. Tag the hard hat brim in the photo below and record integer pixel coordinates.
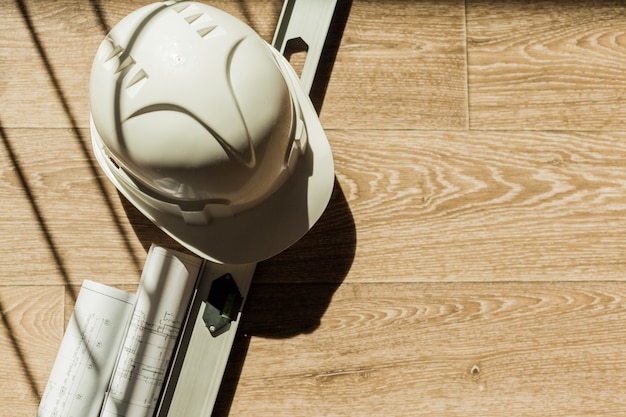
(259, 232)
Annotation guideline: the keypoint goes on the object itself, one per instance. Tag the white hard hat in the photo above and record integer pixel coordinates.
(205, 128)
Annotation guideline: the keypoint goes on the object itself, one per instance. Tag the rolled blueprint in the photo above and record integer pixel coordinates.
(167, 283)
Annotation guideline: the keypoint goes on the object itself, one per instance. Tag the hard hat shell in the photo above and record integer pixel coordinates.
(205, 128)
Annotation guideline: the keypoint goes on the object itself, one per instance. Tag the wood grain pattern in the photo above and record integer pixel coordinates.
(457, 206)
(547, 64)
(418, 61)
(467, 349)
(53, 200)
(32, 327)
(401, 64)
(479, 206)
(471, 260)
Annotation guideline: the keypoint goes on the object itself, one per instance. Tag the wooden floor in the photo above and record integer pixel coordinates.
(472, 261)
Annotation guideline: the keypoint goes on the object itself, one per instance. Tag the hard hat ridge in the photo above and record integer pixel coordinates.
(196, 118)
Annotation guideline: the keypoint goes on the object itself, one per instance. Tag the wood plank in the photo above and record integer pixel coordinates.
(400, 65)
(71, 221)
(32, 327)
(411, 75)
(547, 64)
(468, 206)
(450, 349)
(455, 206)
(463, 267)
(465, 347)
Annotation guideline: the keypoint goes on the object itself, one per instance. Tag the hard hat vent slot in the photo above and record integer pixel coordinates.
(193, 17)
(117, 59)
(179, 7)
(140, 76)
(199, 21)
(115, 52)
(205, 31)
(127, 62)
